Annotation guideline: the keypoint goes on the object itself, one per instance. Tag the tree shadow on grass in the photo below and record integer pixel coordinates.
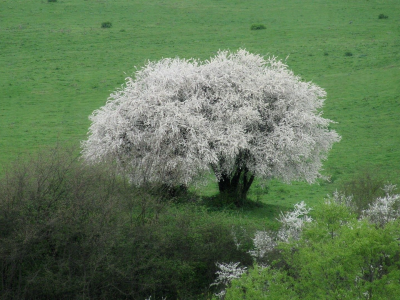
(255, 209)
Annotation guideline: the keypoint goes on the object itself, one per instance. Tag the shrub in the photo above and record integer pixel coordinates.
(257, 27)
(106, 25)
(69, 230)
(57, 227)
(348, 53)
(51, 0)
(337, 257)
(364, 188)
(174, 257)
(382, 16)
(384, 209)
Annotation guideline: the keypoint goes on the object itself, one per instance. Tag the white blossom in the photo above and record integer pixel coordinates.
(340, 199)
(263, 243)
(178, 118)
(226, 273)
(235, 238)
(293, 222)
(384, 209)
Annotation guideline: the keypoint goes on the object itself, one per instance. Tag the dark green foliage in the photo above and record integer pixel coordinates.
(348, 53)
(51, 0)
(69, 230)
(106, 25)
(177, 256)
(257, 27)
(382, 16)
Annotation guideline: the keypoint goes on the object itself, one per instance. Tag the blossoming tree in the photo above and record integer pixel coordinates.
(237, 114)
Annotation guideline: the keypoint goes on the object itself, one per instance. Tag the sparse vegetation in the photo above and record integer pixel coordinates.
(364, 188)
(106, 25)
(257, 27)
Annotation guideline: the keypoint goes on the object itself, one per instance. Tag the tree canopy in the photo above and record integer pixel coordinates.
(237, 114)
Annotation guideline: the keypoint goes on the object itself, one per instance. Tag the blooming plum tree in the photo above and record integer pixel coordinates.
(237, 114)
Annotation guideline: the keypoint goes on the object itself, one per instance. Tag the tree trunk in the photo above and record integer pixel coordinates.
(236, 186)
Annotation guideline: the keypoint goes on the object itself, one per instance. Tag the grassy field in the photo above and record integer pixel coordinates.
(58, 65)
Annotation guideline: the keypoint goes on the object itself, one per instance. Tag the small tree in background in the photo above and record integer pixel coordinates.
(236, 114)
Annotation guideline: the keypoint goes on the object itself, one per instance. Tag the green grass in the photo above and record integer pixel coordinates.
(58, 65)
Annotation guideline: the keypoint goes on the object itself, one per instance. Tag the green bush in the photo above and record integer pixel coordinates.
(261, 283)
(106, 25)
(257, 27)
(337, 257)
(69, 230)
(382, 16)
(51, 0)
(348, 53)
(58, 226)
(177, 254)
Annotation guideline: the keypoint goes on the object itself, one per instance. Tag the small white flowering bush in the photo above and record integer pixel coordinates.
(226, 273)
(265, 242)
(381, 211)
(384, 209)
(292, 223)
(340, 199)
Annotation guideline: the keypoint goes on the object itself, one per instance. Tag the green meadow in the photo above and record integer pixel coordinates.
(71, 231)
(58, 65)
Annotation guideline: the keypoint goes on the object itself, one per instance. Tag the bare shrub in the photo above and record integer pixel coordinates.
(71, 230)
(364, 188)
